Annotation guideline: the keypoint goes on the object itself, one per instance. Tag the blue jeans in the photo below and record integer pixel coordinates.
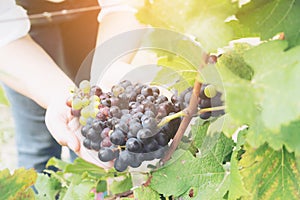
(35, 145)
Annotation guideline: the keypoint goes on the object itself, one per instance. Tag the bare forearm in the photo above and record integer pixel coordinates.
(26, 68)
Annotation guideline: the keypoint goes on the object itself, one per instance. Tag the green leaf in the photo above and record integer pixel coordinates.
(268, 103)
(234, 61)
(17, 185)
(203, 19)
(236, 187)
(57, 163)
(3, 98)
(146, 193)
(269, 18)
(204, 172)
(47, 187)
(80, 166)
(176, 73)
(277, 76)
(270, 174)
(123, 185)
(80, 189)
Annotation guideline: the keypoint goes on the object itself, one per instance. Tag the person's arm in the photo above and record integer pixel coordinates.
(27, 68)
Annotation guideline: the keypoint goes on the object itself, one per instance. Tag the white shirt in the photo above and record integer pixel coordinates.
(11, 29)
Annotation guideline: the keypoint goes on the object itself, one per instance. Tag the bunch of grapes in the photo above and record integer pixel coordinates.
(122, 124)
(209, 98)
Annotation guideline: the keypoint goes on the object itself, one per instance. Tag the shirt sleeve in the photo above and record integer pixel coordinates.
(110, 6)
(14, 22)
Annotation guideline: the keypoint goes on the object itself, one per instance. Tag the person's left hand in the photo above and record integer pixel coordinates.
(66, 130)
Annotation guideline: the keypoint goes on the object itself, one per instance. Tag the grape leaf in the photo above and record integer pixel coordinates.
(204, 172)
(17, 185)
(146, 193)
(79, 189)
(270, 174)
(119, 186)
(55, 162)
(236, 187)
(269, 18)
(270, 101)
(234, 61)
(176, 73)
(80, 166)
(47, 187)
(276, 72)
(203, 19)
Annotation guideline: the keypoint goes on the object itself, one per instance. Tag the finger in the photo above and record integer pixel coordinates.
(74, 125)
(61, 133)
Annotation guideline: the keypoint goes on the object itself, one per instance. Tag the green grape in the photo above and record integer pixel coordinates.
(85, 86)
(85, 102)
(116, 90)
(77, 103)
(94, 98)
(210, 91)
(82, 120)
(85, 112)
(95, 104)
(93, 112)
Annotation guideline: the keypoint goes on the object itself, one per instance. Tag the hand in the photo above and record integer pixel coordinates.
(66, 130)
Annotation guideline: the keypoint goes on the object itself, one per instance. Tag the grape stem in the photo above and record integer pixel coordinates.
(190, 111)
(183, 113)
(212, 109)
(169, 118)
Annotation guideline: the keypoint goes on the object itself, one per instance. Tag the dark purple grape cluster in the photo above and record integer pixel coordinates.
(122, 124)
(209, 98)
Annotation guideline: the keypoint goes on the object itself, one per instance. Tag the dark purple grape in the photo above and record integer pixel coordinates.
(151, 146)
(134, 145)
(205, 115)
(125, 83)
(97, 125)
(75, 113)
(149, 123)
(160, 99)
(87, 143)
(147, 91)
(117, 137)
(151, 98)
(95, 90)
(205, 103)
(106, 142)
(155, 89)
(106, 102)
(145, 135)
(95, 146)
(120, 165)
(84, 130)
(115, 112)
(122, 126)
(93, 135)
(106, 154)
(162, 138)
(140, 98)
(114, 101)
(111, 122)
(134, 127)
(105, 132)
